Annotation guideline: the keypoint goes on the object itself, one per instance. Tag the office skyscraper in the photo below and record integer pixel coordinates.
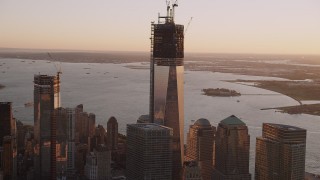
(63, 137)
(46, 99)
(20, 135)
(85, 125)
(98, 163)
(232, 147)
(71, 116)
(91, 167)
(9, 161)
(200, 140)
(103, 155)
(7, 122)
(8, 143)
(81, 153)
(149, 154)
(98, 138)
(166, 82)
(59, 141)
(280, 152)
(112, 133)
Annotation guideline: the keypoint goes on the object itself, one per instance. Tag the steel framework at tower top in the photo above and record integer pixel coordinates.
(167, 47)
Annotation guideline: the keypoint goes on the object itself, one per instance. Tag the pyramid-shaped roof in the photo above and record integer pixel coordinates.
(232, 120)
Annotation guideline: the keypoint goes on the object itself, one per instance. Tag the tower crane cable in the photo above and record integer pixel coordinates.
(57, 67)
(185, 31)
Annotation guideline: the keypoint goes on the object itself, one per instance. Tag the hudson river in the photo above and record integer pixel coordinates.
(122, 90)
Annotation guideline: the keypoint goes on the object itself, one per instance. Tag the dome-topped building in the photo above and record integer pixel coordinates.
(202, 122)
(200, 140)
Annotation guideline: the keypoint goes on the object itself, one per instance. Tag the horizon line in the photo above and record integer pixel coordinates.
(11, 49)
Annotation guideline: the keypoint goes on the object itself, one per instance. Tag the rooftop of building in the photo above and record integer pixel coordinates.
(232, 120)
(143, 119)
(148, 126)
(42, 75)
(112, 120)
(5, 103)
(285, 127)
(202, 122)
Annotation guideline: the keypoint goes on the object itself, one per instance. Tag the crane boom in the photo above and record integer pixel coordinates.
(57, 67)
(185, 31)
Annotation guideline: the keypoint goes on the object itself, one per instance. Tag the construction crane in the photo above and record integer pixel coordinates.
(175, 4)
(57, 67)
(185, 31)
(170, 10)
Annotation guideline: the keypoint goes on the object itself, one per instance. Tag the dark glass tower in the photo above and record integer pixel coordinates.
(149, 152)
(8, 144)
(232, 147)
(166, 82)
(112, 132)
(7, 122)
(46, 99)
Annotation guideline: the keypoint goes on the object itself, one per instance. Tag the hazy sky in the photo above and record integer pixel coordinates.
(219, 26)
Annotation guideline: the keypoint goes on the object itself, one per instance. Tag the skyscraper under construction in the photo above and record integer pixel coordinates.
(46, 99)
(166, 81)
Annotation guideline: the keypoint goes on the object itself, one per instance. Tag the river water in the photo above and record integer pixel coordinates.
(117, 90)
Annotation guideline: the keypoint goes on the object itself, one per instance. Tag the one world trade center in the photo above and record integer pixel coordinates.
(166, 81)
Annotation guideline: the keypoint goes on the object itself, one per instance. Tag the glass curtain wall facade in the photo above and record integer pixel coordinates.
(200, 143)
(8, 143)
(149, 152)
(112, 133)
(46, 99)
(280, 152)
(232, 147)
(166, 89)
(71, 142)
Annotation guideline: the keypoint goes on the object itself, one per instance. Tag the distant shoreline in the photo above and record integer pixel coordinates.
(80, 57)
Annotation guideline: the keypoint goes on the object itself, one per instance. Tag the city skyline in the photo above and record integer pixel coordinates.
(68, 143)
(286, 27)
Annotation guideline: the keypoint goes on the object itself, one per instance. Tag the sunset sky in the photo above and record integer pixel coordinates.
(218, 26)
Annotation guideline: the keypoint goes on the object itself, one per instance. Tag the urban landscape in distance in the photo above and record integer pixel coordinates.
(166, 114)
